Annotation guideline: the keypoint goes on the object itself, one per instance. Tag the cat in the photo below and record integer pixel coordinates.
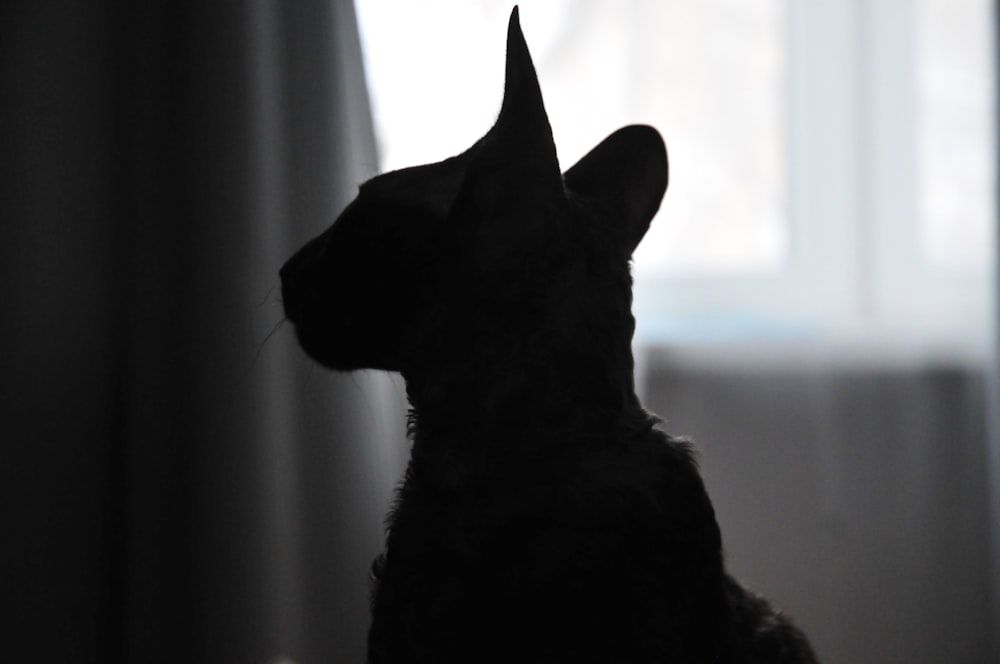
(543, 516)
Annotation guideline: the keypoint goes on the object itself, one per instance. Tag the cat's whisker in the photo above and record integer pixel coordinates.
(260, 347)
(268, 297)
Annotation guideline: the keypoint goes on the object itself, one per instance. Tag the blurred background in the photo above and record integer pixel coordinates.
(816, 303)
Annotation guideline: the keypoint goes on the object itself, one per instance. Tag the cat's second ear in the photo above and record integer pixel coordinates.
(625, 174)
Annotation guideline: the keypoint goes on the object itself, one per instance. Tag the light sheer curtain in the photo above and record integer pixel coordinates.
(180, 484)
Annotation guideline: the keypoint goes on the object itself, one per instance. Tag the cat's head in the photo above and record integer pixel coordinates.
(455, 257)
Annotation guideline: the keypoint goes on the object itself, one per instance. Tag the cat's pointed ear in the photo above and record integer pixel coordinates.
(512, 188)
(518, 153)
(627, 175)
(522, 127)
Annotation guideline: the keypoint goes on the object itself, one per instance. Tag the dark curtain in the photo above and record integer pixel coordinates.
(178, 482)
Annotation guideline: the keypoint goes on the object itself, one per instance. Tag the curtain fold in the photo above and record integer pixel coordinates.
(183, 484)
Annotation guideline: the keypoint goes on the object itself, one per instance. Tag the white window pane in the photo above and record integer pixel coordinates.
(956, 162)
(710, 75)
(714, 82)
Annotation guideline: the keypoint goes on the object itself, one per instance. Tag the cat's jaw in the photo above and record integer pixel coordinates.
(467, 435)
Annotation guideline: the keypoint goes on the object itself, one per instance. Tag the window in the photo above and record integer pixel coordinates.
(955, 115)
(832, 163)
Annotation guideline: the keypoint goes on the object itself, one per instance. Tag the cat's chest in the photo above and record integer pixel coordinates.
(591, 536)
(572, 499)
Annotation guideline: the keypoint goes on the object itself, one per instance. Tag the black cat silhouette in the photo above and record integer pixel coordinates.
(543, 517)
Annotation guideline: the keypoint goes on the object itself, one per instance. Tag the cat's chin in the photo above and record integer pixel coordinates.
(320, 351)
(330, 354)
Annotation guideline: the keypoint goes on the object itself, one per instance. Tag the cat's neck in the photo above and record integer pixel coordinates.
(474, 412)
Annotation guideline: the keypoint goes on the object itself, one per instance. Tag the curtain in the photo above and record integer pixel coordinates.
(855, 495)
(179, 483)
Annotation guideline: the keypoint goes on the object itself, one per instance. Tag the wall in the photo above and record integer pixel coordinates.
(855, 496)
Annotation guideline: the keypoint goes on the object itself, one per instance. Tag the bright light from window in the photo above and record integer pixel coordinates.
(710, 75)
(955, 106)
(832, 164)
